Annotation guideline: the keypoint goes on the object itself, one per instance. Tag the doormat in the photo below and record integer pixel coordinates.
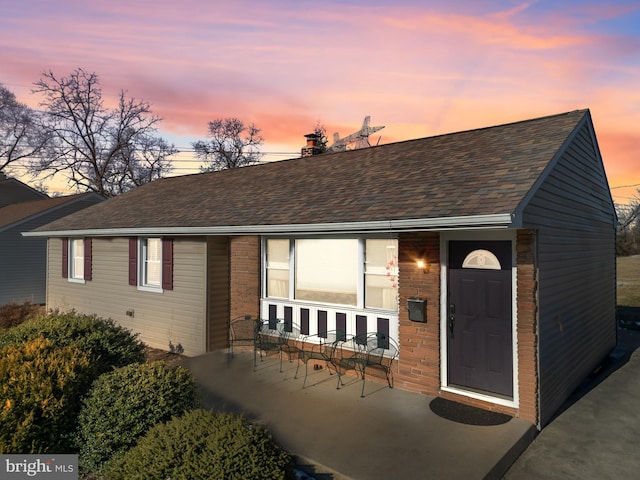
(457, 412)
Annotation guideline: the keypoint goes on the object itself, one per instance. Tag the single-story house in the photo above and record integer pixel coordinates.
(489, 255)
(23, 260)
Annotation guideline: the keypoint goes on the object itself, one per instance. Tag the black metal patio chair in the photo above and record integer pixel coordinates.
(381, 353)
(319, 347)
(291, 342)
(365, 352)
(267, 341)
(276, 338)
(242, 332)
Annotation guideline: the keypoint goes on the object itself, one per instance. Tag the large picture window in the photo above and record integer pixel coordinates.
(358, 272)
(327, 270)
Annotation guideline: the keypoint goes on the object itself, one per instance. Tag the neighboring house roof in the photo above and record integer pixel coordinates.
(476, 177)
(13, 191)
(18, 212)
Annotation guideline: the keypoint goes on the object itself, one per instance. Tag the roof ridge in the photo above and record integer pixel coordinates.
(483, 171)
(489, 127)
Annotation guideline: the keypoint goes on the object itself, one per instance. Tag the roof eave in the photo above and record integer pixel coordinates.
(502, 220)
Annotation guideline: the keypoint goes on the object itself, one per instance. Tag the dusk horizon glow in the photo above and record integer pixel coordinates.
(418, 68)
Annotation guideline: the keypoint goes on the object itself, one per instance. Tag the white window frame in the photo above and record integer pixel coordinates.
(270, 266)
(389, 273)
(360, 302)
(74, 274)
(143, 263)
(338, 279)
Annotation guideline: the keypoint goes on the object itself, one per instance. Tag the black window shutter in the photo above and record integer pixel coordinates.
(167, 263)
(133, 261)
(65, 258)
(87, 259)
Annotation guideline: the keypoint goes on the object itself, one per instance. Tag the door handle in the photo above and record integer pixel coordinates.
(452, 318)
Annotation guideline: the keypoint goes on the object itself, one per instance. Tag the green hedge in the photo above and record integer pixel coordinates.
(41, 385)
(123, 404)
(204, 445)
(109, 344)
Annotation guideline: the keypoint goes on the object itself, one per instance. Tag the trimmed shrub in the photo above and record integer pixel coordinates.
(12, 314)
(41, 385)
(204, 445)
(109, 344)
(123, 404)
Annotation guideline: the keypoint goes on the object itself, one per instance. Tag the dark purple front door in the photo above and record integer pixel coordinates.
(479, 321)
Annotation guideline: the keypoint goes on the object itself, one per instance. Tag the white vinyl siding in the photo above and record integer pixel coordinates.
(177, 316)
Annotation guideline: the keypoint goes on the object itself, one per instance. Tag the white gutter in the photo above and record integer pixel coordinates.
(501, 220)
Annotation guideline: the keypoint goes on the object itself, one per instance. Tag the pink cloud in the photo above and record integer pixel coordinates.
(494, 29)
(419, 70)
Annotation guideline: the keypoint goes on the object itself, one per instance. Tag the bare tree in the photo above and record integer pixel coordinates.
(231, 144)
(108, 151)
(321, 132)
(628, 233)
(20, 135)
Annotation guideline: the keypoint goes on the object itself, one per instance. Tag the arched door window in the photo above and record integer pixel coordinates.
(482, 259)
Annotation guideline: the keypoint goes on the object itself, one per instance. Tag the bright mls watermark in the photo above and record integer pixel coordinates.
(49, 466)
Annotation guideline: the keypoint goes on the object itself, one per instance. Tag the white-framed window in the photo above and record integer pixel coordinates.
(355, 271)
(381, 273)
(151, 263)
(277, 267)
(326, 270)
(76, 259)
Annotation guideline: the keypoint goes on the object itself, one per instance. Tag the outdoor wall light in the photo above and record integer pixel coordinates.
(422, 265)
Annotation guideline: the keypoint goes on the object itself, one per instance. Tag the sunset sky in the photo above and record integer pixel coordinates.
(419, 68)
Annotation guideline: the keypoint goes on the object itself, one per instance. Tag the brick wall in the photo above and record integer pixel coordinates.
(419, 364)
(245, 276)
(527, 293)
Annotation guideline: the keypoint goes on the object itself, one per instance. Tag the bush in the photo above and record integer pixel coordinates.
(13, 314)
(41, 385)
(123, 404)
(109, 344)
(204, 445)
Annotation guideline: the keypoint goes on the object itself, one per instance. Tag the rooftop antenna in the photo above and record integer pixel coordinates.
(359, 138)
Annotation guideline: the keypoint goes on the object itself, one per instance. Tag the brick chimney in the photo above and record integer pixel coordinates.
(312, 148)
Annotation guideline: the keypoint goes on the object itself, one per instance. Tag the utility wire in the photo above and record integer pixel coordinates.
(626, 186)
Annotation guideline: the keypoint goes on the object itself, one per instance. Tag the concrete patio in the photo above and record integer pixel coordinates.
(336, 434)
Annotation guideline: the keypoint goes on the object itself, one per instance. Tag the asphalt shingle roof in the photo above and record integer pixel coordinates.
(478, 172)
(19, 211)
